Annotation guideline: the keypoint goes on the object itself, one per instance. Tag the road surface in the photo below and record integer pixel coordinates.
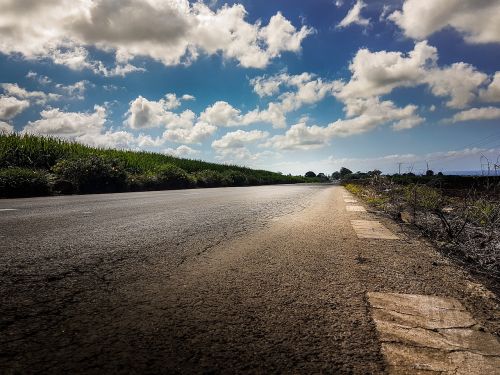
(227, 280)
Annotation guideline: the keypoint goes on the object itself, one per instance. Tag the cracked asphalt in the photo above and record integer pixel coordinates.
(255, 280)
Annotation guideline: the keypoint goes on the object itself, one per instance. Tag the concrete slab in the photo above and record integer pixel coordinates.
(349, 200)
(420, 334)
(355, 208)
(372, 229)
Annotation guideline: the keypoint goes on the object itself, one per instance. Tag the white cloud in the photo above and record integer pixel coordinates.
(267, 86)
(304, 89)
(378, 73)
(144, 113)
(182, 151)
(194, 134)
(6, 128)
(41, 79)
(233, 145)
(239, 139)
(10, 107)
(370, 114)
(459, 82)
(145, 140)
(477, 21)
(474, 114)
(492, 93)
(75, 91)
(83, 127)
(354, 16)
(68, 124)
(171, 101)
(221, 114)
(171, 32)
(188, 97)
(109, 139)
(38, 97)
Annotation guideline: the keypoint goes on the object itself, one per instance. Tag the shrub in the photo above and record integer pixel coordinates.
(354, 189)
(23, 182)
(92, 174)
(169, 176)
(209, 178)
(423, 197)
(236, 178)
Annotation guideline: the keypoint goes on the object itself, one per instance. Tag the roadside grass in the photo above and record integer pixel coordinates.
(36, 165)
(464, 224)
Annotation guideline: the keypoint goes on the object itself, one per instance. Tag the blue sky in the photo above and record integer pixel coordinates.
(283, 85)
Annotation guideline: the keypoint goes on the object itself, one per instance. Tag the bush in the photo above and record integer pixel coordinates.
(209, 178)
(23, 182)
(236, 178)
(168, 176)
(92, 174)
(423, 197)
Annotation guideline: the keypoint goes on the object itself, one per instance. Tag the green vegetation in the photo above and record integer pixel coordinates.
(33, 165)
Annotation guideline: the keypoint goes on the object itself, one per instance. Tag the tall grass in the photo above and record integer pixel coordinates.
(46, 154)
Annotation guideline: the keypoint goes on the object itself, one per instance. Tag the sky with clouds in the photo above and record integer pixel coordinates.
(285, 85)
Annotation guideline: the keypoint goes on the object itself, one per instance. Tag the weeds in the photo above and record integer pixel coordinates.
(464, 224)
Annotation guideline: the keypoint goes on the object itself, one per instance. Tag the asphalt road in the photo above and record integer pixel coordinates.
(229, 280)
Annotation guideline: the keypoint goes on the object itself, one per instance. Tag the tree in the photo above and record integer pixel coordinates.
(429, 172)
(336, 175)
(310, 174)
(344, 172)
(322, 176)
(375, 172)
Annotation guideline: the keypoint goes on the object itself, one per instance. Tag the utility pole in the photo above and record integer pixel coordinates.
(399, 167)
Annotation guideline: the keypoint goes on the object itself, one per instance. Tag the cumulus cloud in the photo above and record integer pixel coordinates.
(492, 93)
(171, 32)
(233, 145)
(68, 124)
(459, 82)
(370, 114)
(10, 107)
(145, 140)
(354, 16)
(41, 79)
(302, 89)
(182, 151)
(239, 139)
(144, 113)
(378, 73)
(193, 135)
(221, 113)
(109, 139)
(76, 90)
(84, 127)
(38, 97)
(6, 128)
(475, 114)
(477, 21)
